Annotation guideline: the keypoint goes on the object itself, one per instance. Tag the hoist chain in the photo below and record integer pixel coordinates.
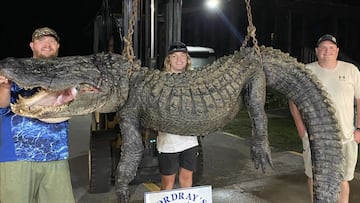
(128, 50)
(251, 29)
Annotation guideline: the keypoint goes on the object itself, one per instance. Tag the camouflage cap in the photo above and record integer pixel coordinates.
(327, 37)
(44, 31)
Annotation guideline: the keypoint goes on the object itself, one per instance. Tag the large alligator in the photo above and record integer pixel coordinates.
(195, 102)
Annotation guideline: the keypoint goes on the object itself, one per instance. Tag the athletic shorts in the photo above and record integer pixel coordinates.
(169, 163)
(36, 182)
(350, 150)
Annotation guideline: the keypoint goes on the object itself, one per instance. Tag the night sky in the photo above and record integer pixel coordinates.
(73, 21)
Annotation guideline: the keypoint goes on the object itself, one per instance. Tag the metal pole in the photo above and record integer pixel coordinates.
(173, 17)
(152, 29)
(177, 20)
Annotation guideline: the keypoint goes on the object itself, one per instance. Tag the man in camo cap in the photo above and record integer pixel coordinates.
(45, 43)
(33, 154)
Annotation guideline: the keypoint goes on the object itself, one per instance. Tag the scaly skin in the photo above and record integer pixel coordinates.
(196, 102)
(290, 78)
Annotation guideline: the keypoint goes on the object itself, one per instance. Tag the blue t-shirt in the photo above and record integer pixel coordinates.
(29, 139)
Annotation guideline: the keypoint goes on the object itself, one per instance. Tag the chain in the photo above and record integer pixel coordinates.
(128, 50)
(251, 29)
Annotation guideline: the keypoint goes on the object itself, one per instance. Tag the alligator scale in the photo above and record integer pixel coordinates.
(196, 102)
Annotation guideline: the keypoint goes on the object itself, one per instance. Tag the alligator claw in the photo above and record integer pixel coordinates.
(261, 156)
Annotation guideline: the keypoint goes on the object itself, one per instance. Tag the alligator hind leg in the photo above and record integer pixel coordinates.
(131, 153)
(254, 99)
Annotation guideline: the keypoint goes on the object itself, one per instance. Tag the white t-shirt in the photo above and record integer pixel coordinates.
(170, 143)
(343, 85)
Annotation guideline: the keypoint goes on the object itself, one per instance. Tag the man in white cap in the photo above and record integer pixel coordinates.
(342, 82)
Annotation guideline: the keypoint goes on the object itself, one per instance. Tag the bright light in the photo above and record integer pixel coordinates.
(212, 4)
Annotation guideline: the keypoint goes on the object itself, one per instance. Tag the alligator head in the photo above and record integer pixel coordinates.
(68, 86)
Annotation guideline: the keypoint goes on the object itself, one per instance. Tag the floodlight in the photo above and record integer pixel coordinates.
(212, 4)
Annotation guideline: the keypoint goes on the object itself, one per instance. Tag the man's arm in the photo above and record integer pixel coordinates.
(297, 119)
(357, 132)
(5, 85)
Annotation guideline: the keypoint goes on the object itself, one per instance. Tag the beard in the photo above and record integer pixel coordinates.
(45, 55)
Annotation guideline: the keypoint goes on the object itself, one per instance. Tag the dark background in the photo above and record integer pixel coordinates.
(71, 19)
(289, 25)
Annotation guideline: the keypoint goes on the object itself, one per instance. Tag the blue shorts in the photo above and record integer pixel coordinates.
(169, 163)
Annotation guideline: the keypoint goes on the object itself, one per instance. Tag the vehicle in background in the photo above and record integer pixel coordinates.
(201, 56)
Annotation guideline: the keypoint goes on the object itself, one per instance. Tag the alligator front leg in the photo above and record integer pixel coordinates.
(254, 98)
(131, 153)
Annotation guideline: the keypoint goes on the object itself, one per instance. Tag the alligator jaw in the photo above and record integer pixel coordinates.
(45, 101)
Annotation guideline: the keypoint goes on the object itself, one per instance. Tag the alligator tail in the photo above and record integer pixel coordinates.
(289, 77)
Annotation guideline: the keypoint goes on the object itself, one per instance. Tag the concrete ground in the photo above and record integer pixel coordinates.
(231, 174)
